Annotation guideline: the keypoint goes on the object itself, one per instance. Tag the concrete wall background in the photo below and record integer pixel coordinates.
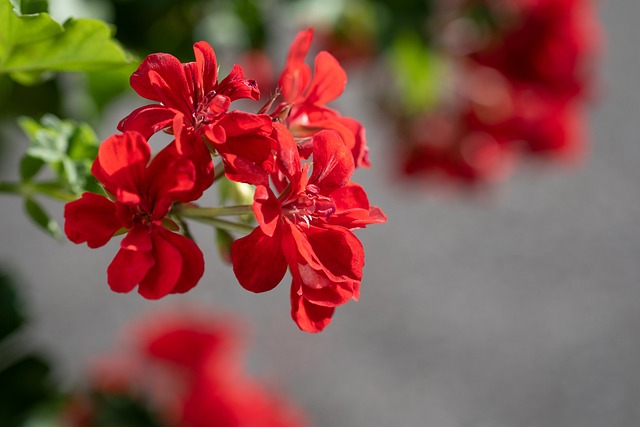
(520, 309)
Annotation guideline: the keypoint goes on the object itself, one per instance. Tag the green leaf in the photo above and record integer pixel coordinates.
(83, 144)
(33, 6)
(84, 45)
(32, 46)
(40, 217)
(23, 386)
(106, 85)
(11, 312)
(18, 30)
(49, 139)
(419, 72)
(111, 409)
(68, 147)
(29, 167)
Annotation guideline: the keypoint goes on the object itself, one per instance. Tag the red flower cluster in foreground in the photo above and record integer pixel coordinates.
(305, 213)
(522, 91)
(182, 370)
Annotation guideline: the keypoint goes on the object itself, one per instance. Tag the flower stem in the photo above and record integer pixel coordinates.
(226, 225)
(218, 171)
(191, 212)
(49, 189)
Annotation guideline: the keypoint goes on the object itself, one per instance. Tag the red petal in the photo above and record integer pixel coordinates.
(91, 219)
(161, 78)
(132, 262)
(258, 261)
(238, 123)
(247, 149)
(329, 80)
(332, 249)
(350, 196)
(207, 66)
(308, 316)
(296, 75)
(236, 86)
(332, 162)
(147, 120)
(215, 133)
(267, 209)
(287, 156)
(121, 164)
(169, 177)
(360, 150)
(317, 288)
(192, 260)
(239, 169)
(165, 273)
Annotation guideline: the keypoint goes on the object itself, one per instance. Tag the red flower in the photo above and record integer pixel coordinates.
(243, 141)
(186, 368)
(307, 229)
(151, 256)
(191, 89)
(305, 98)
(194, 106)
(523, 91)
(546, 43)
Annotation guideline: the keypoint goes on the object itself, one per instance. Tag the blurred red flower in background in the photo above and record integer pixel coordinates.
(185, 369)
(521, 89)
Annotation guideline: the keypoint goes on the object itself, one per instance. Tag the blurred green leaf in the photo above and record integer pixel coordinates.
(49, 140)
(26, 7)
(29, 167)
(40, 217)
(122, 411)
(418, 71)
(106, 85)
(11, 312)
(33, 45)
(67, 146)
(224, 239)
(84, 45)
(17, 30)
(23, 385)
(83, 143)
(251, 16)
(237, 193)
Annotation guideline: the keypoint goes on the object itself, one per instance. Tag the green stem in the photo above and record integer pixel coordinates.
(190, 212)
(49, 189)
(226, 225)
(185, 227)
(218, 171)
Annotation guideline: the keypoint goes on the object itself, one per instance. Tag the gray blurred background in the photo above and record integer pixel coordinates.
(519, 308)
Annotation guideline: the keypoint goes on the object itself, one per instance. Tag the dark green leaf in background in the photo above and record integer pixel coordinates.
(29, 167)
(37, 213)
(23, 386)
(34, 6)
(11, 311)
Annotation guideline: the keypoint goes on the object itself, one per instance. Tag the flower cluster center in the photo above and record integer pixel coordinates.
(310, 206)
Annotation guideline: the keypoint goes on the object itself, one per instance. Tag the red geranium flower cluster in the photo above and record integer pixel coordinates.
(180, 370)
(305, 208)
(520, 91)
